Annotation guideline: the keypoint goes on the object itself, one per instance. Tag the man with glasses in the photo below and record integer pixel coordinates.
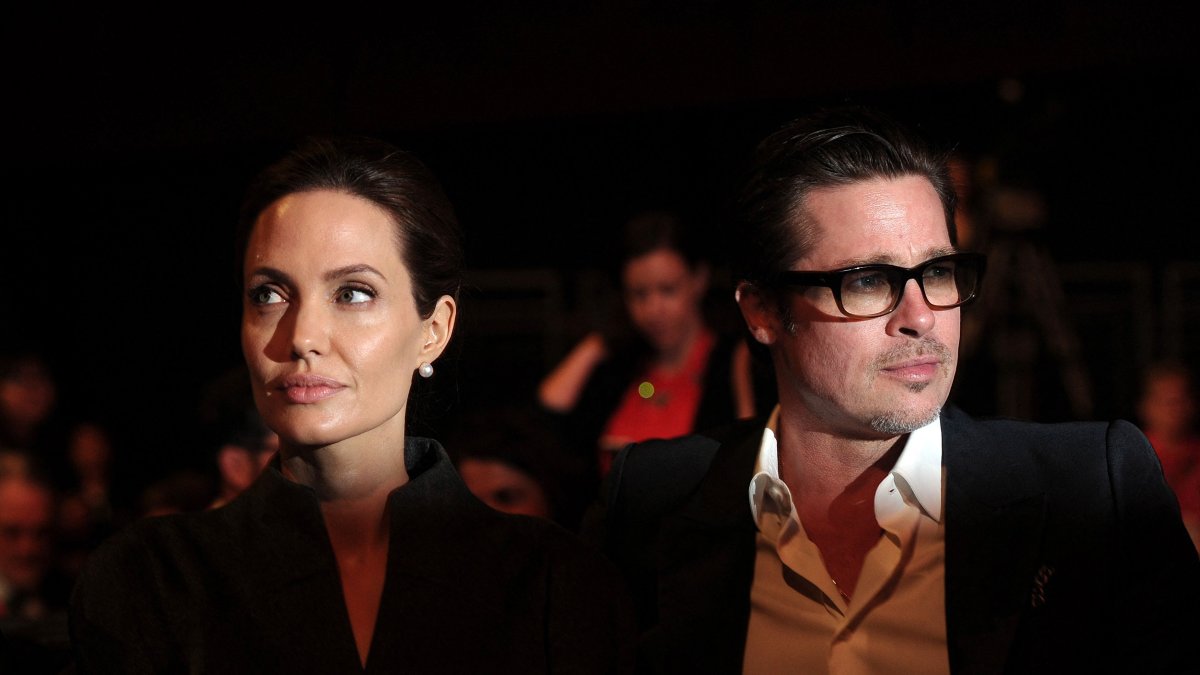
(866, 526)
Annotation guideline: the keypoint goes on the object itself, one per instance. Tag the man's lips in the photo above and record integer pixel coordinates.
(915, 369)
(308, 388)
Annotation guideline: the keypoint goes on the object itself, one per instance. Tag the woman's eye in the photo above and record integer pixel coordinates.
(353, 296)
(264, 295)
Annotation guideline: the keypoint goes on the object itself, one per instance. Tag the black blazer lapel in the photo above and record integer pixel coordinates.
(994, 517)
(706, 565)
(289, 564)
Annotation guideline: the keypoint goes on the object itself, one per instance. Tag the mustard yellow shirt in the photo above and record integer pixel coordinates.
(896, 620)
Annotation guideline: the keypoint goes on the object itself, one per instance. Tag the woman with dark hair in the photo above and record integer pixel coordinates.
(675, 372)
(358, 548)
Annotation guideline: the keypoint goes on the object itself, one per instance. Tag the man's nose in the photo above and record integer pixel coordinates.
(913, 317)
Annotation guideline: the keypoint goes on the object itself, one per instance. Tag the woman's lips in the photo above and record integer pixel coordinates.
(307, 388)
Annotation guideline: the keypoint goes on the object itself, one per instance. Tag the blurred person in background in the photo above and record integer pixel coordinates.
(242, 457)
(34, 586)
(514, 463)
(671, 371)
(91, 507)
(183, 490)
(1167, 412)
(28, 401)
(31, 585)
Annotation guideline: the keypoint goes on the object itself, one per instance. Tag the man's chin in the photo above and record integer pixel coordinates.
(898, 423)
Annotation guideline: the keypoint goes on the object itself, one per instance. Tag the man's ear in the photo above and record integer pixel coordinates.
(762, 318)
(438, 329)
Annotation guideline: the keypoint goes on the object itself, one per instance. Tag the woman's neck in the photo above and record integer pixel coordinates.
(352, 487)
(345, 471)
(352, 480)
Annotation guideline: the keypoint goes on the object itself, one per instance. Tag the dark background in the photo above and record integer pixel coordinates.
(131, 137)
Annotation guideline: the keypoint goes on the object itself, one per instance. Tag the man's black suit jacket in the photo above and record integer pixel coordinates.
(1064, 549)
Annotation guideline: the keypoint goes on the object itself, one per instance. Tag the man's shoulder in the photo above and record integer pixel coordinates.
(653, 477)
(1011, 431)
(1022, 449)
(691, 454)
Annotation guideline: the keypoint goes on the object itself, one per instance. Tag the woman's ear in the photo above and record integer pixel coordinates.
(438, 329)
(762, 319)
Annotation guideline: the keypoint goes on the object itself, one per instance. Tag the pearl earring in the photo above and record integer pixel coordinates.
(426, 370)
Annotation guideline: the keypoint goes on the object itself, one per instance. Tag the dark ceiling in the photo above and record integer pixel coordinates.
(131, 136)
(122, 84)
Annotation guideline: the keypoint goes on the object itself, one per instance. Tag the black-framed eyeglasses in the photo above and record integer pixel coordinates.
(867, 291)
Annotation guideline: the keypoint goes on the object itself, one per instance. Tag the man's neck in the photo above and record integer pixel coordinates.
(833, 483)
(820, 480)
(820, 466)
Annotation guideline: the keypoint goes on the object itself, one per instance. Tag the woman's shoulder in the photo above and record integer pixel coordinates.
(153, 541)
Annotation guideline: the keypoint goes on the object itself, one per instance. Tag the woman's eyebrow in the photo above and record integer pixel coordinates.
(348, 270)
(271, 273)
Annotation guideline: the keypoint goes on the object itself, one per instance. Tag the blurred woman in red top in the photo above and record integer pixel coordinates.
(1167, 409)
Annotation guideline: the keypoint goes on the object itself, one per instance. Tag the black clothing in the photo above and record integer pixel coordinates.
(1065, 551)
(253, 587)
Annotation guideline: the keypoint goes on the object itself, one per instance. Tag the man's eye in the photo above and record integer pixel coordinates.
(354, 296)
(865, 282)
(939, 276)
(264, 295)
(945, 270)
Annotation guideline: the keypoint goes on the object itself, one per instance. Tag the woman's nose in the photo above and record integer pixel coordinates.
(309, 330)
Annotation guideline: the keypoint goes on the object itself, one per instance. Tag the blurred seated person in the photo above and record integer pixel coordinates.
(1167, 410)
(512, 462)
(33, 591)
(28, 400)
(93, 505)
(13, 462)
(31, 586)
(242, 457)
(90, 458)
(179, 491)
(675, 374)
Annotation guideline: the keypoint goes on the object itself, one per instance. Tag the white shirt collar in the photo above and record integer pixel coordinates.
(918, 474)
(920, 466)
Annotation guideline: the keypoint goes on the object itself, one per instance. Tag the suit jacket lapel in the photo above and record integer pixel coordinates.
(296, 575)
(994, 515)
(706, 565)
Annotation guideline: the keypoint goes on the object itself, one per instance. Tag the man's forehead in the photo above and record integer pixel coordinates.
(894, 258)
(895, 221)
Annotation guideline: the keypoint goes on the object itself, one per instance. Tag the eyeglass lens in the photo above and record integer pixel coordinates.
(872, 290)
